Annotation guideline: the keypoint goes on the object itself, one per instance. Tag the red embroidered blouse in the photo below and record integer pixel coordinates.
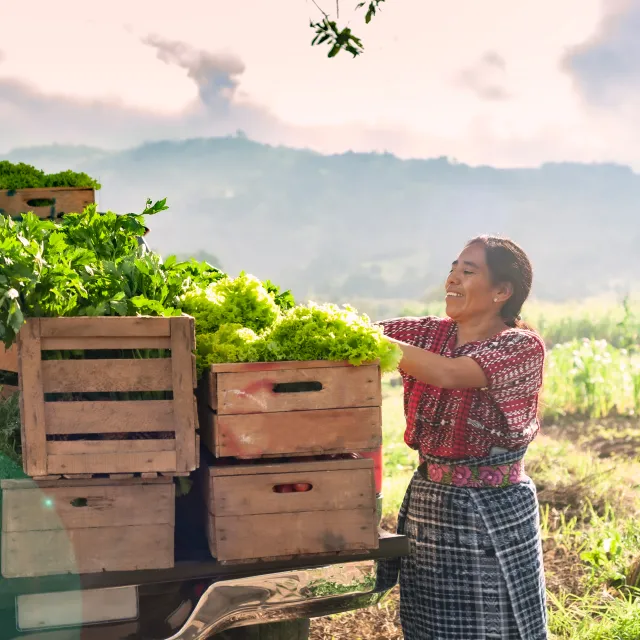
(468, 423)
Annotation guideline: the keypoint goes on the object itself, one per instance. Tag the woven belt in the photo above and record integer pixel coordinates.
(481, 475)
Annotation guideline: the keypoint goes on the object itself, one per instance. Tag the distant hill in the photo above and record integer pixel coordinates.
(368, 225)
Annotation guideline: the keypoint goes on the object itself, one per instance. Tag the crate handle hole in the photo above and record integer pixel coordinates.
(41, 202)
(79, 502)
(297, 387)
(298, 487)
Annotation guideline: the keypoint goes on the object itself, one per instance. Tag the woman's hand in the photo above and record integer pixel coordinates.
(439, 371)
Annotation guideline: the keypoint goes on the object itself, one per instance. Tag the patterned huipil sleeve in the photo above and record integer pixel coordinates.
(513, 364)
(409, 330)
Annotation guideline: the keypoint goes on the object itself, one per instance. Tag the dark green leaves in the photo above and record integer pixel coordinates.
(89, 265)
(24, 176)
(328, 32)
(371, 9)
(284, 299)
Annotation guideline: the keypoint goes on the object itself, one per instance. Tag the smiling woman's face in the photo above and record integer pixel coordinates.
(469, 289)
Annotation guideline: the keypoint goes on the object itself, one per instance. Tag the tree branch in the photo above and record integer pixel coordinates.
(327, 30)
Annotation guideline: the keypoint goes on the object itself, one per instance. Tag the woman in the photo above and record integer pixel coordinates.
(471, 386)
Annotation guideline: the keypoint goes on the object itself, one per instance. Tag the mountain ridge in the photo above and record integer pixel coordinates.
(373, 225)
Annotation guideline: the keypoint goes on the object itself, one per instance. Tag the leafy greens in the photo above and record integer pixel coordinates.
(24, 176)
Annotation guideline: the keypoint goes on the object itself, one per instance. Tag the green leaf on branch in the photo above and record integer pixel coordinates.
(328, 32)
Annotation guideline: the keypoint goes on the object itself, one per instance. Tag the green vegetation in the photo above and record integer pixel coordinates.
(24, 176)
(89, 265)
(10, 447)
(244, 320)
(327, 32)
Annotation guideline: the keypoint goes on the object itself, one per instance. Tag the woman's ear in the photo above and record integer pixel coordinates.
(503, 292)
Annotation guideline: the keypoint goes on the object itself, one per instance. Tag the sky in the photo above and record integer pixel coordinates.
(483, 81)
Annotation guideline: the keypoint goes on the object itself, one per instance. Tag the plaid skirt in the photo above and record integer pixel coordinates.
(475, 570)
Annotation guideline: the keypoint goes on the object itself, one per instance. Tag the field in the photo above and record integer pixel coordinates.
(586, 466)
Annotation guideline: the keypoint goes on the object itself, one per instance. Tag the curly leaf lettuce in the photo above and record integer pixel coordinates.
(329, 332)
(230, 343)
(243, 300)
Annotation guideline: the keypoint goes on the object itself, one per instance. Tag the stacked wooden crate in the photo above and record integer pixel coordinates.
(286, 480)
(50, 202)
(101, 496)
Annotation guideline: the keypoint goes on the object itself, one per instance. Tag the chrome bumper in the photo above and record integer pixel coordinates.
(306, 593)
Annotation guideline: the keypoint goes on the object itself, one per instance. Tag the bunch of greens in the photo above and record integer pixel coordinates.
(243, 300)
(330, 332)
(240, 320)
(24, 176)
(90, 265)
(230, 343)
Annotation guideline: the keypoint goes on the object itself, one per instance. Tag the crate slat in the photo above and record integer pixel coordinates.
(34, 437)
(283, 365)
(105, 327)
(109, 417)
(254, 494)
(326, 431)
(40, 553)
(102, 506)
(69, 376)
(341, 387)
(112, 462)
(9, 358)
(121, 342)
(316, 532)
(14, 202)
(290, 467)
(77, 447)
(183, 384)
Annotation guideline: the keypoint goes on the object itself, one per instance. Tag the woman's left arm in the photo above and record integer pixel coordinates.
(440, 371)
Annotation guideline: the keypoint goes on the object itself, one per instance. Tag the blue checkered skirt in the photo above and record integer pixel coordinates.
(475, 570)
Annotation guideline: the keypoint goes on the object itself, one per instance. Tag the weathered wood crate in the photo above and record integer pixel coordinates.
(46, 203)
(74, 420)
(271, 409)
(251, 516)
(86, 526)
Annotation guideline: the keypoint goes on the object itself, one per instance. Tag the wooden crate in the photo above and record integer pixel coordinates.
(86, 526)
(15, 202)
(249, 520)
(268, 409)
(59, 437)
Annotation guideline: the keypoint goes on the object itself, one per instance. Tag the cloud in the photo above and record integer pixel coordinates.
(30, 117)
(486, 78)
(606, 67)
(216, 76)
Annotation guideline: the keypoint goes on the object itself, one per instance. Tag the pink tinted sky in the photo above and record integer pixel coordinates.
(481, 80)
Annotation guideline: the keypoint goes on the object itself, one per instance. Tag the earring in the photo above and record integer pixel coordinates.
(495, 299)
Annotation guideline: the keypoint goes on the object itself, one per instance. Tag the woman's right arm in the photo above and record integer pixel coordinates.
(410, 330)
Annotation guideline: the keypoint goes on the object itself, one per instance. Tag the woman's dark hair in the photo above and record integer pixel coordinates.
(507, 262)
